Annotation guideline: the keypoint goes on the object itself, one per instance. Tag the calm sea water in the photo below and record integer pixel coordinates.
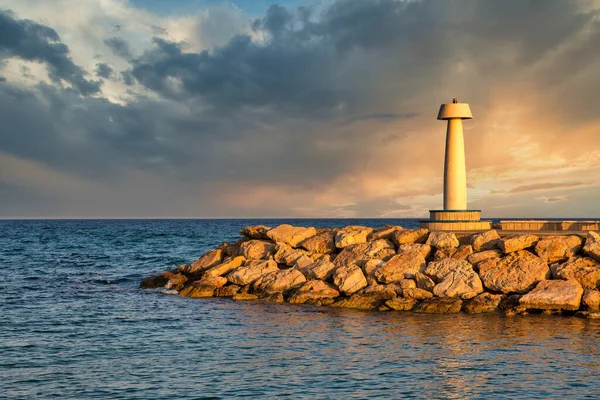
(74, 325)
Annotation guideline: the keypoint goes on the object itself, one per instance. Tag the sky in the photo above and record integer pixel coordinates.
(295, 108)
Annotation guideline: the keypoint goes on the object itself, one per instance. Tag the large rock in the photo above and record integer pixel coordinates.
(303, 262)
(441, 240)
(382, 292)
(591, 300)
(380, 249)
(313, 291)
(462, 283)
(386, 232)
(510, 244)
(291, 235)
(403, 265)
(204, 288)
(257, 249)
(558, 248)
(226, 267)
(584, 270)
(424, 249)
(476, 258)
(518, 272)
(554, 295)
(227, 291)
(322, 269)
(163, 279)
(232, 249)
(439, 270)
(206, 261)
(483, 303)
(351, 235)
(256, 232)
(410, 236)
(401, 304)
(369, 269)
(321, 243)
(483, 241)
(416, 294)
(287, 255)
(251, 271)
(439, 305)
(424, 282)
(362, 252)
(278, 281)
(592, 245)
(463, 252)
(349, 279)
(359, 302)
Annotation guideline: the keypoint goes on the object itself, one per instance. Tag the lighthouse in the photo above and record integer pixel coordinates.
(455, 215)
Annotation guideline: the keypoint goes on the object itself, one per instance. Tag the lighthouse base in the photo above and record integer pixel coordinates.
(455, 220)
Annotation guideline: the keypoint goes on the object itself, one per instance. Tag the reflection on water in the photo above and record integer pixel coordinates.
(74, 325)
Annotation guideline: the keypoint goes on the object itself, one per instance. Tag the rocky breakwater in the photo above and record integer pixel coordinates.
(392, 268)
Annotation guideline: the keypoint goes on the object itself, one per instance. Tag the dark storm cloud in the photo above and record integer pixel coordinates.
(127, 77)
(103, 70)
(118, 46)
(31, 41)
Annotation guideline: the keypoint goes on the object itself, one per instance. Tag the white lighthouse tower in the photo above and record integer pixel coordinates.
(455, 215)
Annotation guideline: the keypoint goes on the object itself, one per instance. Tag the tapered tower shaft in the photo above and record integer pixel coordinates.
(455, 172)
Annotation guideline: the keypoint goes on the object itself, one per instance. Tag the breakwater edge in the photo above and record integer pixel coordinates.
(392, 268)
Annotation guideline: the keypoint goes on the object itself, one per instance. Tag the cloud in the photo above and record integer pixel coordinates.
(545, 186)
(119, 47)
(103, 70)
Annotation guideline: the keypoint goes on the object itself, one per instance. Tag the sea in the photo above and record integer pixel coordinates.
(75, 325)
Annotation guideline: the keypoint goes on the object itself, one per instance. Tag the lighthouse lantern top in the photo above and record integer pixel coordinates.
(455, 110)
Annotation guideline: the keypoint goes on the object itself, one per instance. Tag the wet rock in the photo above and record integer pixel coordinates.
(584, 270)
(244, 296)
(510, 244)
(226, 267)
(258, 232)
(359, 302)
(257, 249)
(483, 241)
(401, 304)
(518, 272)
(322, 269)
(441, 240)
(349, 279)
(351, 235)
(278, 281)
(161, 280)
(588, 314)
(410, 236)
(592, 245)
(272, 298)
(287, 255)
(313, 291)
(386, 232)
(403, 265)
(381, 292)
(591, 300)
(206, 261)
(554, 295)
(424, 282)
(558, 248)
(417, 294)
(291, 235)
(204, 287)
(424, 249)
(439, 305)
(227, 291)
(476, 258)
(321, 243)
(176, 282)
(482, 303)
(251, 271)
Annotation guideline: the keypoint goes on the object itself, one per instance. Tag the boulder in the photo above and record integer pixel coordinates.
(272, 298)
(518, 272)
(382, 292)
(386, 232)
(205, 287)
(424, 282)
(291, 235)
(424, 249)
(417, 294)
(482, 303)
(463, 252)
(251, 271)
(322, 269)
(226, 267)
(404, 284)
(558, 248)
(369, 269)
(592, 245)
(359, 302)
(351, 235)
(403, 265)
(554, 295)
(410, 236)
(313, 291)
(584, 270)
(351, 254)
(380, 249)
(244, 296)
(232, 249)
(227, 291)
(483, 241)
(510, 244)
(257, 249)
(446, 252)
(476, 258)
(462, 282)
(303, 262)
(591, 300)
(278, 281)
(588, 314)
(439, 305)
(170, 278)
(321, 243)
(362, 252)
(349, 279)
(206, 261)
(258, 232)
(441, 240)
(287, 255)
(401, 304)
(439, 270)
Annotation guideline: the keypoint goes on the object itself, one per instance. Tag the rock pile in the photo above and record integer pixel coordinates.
(392, 268)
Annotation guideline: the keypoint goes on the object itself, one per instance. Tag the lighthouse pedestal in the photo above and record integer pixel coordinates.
(455, 220)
